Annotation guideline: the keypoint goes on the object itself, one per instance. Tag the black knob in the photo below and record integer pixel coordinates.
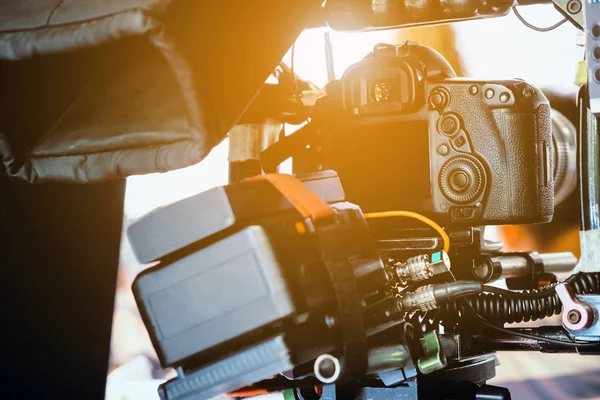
(460, 180)
(439, 98)
(449, 124)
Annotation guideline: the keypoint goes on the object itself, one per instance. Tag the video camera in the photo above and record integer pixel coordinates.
(364, 276)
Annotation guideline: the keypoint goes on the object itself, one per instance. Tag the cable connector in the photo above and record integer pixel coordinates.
(429, 297)
(422, 267)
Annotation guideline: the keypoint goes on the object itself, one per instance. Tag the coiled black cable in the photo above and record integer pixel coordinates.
(504, 306)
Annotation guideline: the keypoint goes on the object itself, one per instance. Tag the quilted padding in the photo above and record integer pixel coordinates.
(98, 89)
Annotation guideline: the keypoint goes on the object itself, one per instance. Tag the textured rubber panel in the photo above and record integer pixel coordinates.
(249, 366)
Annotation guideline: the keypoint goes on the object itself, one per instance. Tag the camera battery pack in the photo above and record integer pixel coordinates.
(221, 258)
(215, 294)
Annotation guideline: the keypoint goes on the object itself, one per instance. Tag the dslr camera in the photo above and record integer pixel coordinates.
(404, 133)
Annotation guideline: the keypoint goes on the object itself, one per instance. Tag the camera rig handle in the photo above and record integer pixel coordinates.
(589, 141)
(360, 15)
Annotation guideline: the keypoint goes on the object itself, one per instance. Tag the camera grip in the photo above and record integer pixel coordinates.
(515, 143)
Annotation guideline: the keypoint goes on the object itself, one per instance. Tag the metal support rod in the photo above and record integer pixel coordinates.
(588, 157)
(329, 58)
(246, 142)
(518, 265)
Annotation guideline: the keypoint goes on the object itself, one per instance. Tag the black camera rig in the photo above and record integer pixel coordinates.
(339, 283)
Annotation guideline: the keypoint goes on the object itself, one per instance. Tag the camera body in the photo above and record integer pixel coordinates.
(404, 133)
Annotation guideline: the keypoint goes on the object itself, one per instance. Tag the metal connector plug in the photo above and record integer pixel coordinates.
(428, 297)
(423, 267)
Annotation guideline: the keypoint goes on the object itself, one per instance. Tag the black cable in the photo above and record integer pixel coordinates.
(490, 325)
(537, 28)
(582, 284)
(508, 306)
(504, 306)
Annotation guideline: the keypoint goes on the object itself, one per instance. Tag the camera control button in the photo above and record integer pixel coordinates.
(443, 150)
(449, 124)
(504, 97)
(462, 212)
(460, 141)
(439, 98)
(459, 180)
(596, 31)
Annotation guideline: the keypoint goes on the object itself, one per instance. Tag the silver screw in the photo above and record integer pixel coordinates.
(574, 316)
(574, 6)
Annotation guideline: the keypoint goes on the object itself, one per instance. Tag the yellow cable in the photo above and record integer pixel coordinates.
(410, 214)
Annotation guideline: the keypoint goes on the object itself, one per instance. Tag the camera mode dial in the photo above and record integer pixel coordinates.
(462, 179)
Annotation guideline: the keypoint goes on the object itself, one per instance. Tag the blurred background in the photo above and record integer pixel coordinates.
(496, 48)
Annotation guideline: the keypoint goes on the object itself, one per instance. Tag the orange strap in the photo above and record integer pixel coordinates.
(249, 392)
(302, 198)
